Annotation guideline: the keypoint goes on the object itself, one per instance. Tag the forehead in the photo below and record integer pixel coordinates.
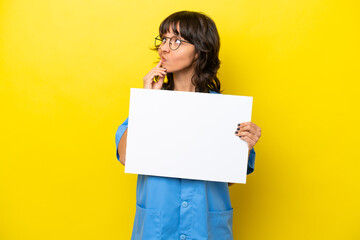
(170, 31)
(170, 34)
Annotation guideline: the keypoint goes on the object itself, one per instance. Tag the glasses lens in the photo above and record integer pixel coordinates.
(175, 43)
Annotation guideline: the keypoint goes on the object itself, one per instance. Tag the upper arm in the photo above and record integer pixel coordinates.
(119, 133)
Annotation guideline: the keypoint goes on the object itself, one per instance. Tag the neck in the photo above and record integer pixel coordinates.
(182, 80)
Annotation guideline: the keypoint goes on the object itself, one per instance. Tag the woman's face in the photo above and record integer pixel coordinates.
(179, 59)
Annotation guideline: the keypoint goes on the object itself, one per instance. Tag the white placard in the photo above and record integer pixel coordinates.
(187, 135)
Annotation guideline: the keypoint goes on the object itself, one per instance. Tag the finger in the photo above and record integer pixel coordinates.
(253, 137)
(156, 73)
(250, 128)
(156, 68)
(159, 64)
(162, 76)
(153, 74)
(247, 134)
(160, 69)
(159, 81)
(254, 126)
(243, 124)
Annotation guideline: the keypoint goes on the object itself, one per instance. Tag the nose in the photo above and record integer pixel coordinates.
(165, 47)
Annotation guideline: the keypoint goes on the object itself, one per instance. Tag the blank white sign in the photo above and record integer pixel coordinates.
(187, 135)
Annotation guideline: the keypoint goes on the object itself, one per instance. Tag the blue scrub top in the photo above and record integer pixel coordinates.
(175, 208)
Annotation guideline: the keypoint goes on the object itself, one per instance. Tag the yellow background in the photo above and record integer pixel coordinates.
(66, 69)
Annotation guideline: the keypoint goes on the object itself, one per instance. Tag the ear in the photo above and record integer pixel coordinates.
(196, 56)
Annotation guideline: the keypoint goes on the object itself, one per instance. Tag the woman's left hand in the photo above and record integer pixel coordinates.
(248, 132)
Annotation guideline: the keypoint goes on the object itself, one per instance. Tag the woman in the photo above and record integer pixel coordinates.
(175, 208)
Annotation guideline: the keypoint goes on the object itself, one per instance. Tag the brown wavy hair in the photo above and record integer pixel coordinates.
(200, 30)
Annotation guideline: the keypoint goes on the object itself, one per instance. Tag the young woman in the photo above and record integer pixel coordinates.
(175, 208)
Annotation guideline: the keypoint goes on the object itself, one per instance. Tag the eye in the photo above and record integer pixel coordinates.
(163, 39)
(177, 41)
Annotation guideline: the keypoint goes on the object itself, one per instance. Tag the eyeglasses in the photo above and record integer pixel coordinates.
(174, 42)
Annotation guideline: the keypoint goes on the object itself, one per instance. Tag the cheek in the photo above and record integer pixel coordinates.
(184, 58)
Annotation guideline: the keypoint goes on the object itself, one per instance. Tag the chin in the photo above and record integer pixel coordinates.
(169, 70)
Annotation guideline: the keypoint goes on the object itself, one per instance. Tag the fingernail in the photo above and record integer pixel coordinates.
(236, 132)
(239, 124)
(239, 136)
(238, 129)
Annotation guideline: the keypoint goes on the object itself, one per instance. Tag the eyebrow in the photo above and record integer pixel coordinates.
(163, 35)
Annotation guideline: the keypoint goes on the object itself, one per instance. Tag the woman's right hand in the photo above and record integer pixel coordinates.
(149, 82)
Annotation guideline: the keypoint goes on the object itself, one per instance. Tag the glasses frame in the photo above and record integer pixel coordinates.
(158, 38)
